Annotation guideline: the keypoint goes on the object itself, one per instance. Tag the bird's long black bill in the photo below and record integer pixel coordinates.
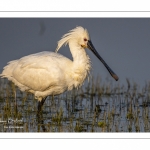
(92, 48)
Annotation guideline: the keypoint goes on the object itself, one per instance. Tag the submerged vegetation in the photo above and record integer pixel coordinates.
(95, 107)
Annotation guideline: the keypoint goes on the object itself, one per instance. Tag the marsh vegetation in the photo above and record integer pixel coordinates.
(98, 106)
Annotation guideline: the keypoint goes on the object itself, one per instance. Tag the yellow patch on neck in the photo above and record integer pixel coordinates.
(84, 46)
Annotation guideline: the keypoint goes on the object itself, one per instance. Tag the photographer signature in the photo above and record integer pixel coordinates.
(10, 120)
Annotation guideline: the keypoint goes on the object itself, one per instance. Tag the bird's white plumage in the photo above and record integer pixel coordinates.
(49, 73)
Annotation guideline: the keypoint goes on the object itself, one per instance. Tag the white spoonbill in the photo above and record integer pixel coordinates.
(49, 73)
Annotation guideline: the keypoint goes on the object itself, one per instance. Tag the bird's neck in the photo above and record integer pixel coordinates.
(78, 53)
(81, 63)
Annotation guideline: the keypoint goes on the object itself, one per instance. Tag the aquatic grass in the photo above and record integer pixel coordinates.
(98, 106)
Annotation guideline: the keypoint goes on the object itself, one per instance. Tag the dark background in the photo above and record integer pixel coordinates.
(124, 43)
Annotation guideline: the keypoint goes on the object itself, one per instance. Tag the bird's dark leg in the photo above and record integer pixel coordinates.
(40, 104)
(15, 96)
(40, 115)
(52, 99)
(40, 121)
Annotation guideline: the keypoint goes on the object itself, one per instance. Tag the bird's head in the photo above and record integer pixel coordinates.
(81, 37)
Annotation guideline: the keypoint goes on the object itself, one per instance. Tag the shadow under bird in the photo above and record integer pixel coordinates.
(50, 73)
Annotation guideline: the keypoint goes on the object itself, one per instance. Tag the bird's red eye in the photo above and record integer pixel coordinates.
(85, 39)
